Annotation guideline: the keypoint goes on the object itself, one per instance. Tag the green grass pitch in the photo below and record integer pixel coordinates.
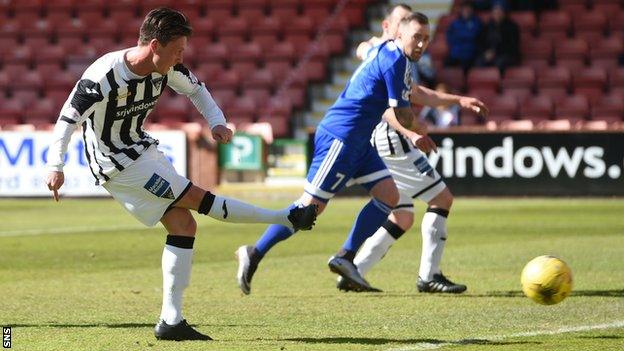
(84, 275)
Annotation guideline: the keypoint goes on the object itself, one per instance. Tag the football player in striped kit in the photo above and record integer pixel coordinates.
(111, 102)
(415, 179)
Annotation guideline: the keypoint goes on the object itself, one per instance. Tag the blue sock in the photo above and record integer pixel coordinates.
(370, 218)
(272, 235)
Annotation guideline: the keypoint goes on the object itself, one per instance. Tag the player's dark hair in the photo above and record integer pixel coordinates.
(419, 17)
(164, 25)
(404, 6)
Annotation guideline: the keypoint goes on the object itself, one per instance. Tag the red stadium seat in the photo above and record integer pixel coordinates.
(63, 80)
(592, 21)
(519, 77)
(539, 50)
(525, 20)
(554, 77)
(554, 21)
(43, 111)
(536, 108)
(284, 9)
(266, 32)
(48, 70)
(244, 58)
(558, 124)
(279, 124)
(276, 105)
(15, 70)
(573, 107)
(50, 54)
(224, 80)
(213, 53)
(571, 52)
(173, 108)
(610, 47)
(258, 94)
(218, 10)
(591, 82)
(609, 105)
(206, 70)
(251, 10)
(223, 97)
(11, 111)
(453, 77)
(503, 107)
(242, 111)
(484, 78)
(232, 31)
(125, 15)
(438, 50)
(616, 77)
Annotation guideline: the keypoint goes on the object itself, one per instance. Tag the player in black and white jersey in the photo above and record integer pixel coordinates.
(414, 178)
(110, 103)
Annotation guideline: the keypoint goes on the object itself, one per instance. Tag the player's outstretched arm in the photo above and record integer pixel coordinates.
(415, 132)
(427, 97)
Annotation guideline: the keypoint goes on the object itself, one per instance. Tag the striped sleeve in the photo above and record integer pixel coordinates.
(82, 99)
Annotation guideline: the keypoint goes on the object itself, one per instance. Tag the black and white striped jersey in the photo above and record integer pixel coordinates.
(388, 142)
(111, 103)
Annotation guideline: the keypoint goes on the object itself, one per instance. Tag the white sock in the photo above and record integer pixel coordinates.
(234, 211)
(176, 267)
(433, 229)
(373, 250)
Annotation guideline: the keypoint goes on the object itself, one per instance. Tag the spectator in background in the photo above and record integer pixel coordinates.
(462, 37)
(500, 40)
(440, 116)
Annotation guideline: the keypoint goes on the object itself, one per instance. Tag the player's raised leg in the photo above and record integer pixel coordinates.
(329, 171)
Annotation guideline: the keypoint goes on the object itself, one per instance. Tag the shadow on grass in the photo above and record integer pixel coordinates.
(118, 325)
(518, 293)
(382, 341)
(612, 337)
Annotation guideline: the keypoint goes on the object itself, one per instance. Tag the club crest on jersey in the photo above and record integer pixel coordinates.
(159, 187)
(157, 82)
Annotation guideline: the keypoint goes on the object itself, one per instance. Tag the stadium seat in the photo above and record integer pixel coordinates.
(553, 22)
(537, 52)
(518, 77)
(223, 96)
(608, 105)
(244, 57)
(438, 50)
(279, 124)
(207, 70)
(573, 7)
(224, 80)
(591, 82)
(592, 125)
(572, 53)
(124, 15)
(173, 109)
(525, 20)
(276, 105)
(573, 107)
(42, 112)
(266, 32)
(557, 124)
(503, 108)
(590, 21)
(616, 78)
(537, 108)
(607, 48)
(251, 10)
(554, 77)
(212, 53)
(232, 31)
(242, 111)
(519, 93)
(50, 54)
(523, 124)
(453, 77)
(63, 80)
(16, 70)
(11, 111)
(284, 9)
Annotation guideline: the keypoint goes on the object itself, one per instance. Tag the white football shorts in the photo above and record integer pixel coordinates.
(415, 178)
(148, 187)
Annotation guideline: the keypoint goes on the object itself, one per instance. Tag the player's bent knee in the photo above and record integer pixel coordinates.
(443, 200)
(403, 219)
(179, 221)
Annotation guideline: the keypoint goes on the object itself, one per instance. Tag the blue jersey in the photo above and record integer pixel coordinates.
(383, 80)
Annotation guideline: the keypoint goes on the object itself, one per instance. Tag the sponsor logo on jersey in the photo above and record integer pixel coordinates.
(135, 108)
(158, 186)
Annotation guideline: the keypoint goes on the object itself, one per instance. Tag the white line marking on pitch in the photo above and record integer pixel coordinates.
(582, 328)
(69, 230)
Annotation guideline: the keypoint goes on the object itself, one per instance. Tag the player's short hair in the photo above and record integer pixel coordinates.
(391, 9)
(419, 17)
(164, 25)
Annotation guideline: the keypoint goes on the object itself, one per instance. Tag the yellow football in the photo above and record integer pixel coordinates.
(546, 280)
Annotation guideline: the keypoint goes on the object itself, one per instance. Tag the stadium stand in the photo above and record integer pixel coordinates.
(569, 70)
(45, 47)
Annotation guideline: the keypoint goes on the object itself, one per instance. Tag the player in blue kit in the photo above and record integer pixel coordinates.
(343, 154)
